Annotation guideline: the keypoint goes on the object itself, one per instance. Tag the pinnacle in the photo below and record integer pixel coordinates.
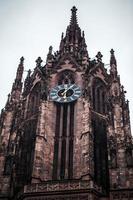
(21, 60)
(74, 9)
(112, 58)
(73, 38)
(73, 20)
(112, 52)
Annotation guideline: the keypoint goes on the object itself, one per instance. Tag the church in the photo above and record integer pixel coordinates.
(65, 132)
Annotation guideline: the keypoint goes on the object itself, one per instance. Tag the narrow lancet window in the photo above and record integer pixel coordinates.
(63, 147)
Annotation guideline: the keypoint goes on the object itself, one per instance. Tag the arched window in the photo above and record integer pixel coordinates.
(27, 144)
(64, 133)
(99, 96)
(29, 135)
(66, 77)
(34, 99)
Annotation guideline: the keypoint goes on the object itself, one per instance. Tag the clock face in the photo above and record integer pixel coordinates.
(65, 93)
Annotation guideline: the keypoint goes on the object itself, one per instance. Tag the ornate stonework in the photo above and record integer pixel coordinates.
(71, 149)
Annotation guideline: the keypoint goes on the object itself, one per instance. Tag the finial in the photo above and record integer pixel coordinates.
(38, 61)
(50, 50)
(50, 56)
(112, 52)
(74, 9)
(112, 58)
(122, 88)
(99, 56)
(29, 73)
(19, 72)
(21, 60)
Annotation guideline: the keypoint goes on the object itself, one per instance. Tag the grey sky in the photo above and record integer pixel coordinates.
(29, 27)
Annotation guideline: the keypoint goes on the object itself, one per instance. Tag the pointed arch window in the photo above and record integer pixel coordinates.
(64, 133)
(66, 77)
(34, 99)
(27, 142)
(99, 96)
(26, 155)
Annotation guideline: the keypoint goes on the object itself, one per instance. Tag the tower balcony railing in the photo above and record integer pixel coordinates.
(61, 186)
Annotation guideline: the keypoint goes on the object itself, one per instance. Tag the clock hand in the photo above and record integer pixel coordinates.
(64, 92)
(67, 89)
(64, 95)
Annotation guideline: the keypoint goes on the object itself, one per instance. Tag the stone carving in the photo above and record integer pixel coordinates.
(122, 195)
(59, 186)
(28, 126)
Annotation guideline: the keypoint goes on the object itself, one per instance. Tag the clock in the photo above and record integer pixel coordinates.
(65, 93)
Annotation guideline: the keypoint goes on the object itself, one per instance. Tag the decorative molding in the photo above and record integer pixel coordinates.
(60, 186)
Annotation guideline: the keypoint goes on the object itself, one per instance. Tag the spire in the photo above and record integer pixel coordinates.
(73, 42)
(19, 74)
(112, 58)
(113, 64)
(27, 82)
(20, 70)
(74, 27)
(17, 85)
(73, 21)
(50, 57)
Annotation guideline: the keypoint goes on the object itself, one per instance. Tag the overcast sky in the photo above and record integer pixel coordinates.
(29, 27)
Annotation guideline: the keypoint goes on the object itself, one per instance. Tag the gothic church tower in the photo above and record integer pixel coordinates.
(66, 135)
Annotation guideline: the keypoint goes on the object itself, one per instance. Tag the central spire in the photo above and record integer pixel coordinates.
(74, 40)
(73, 21)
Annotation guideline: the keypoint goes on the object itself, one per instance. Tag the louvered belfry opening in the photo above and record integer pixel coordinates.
(64, 134)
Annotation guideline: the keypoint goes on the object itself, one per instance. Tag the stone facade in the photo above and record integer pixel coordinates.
(75, 150)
